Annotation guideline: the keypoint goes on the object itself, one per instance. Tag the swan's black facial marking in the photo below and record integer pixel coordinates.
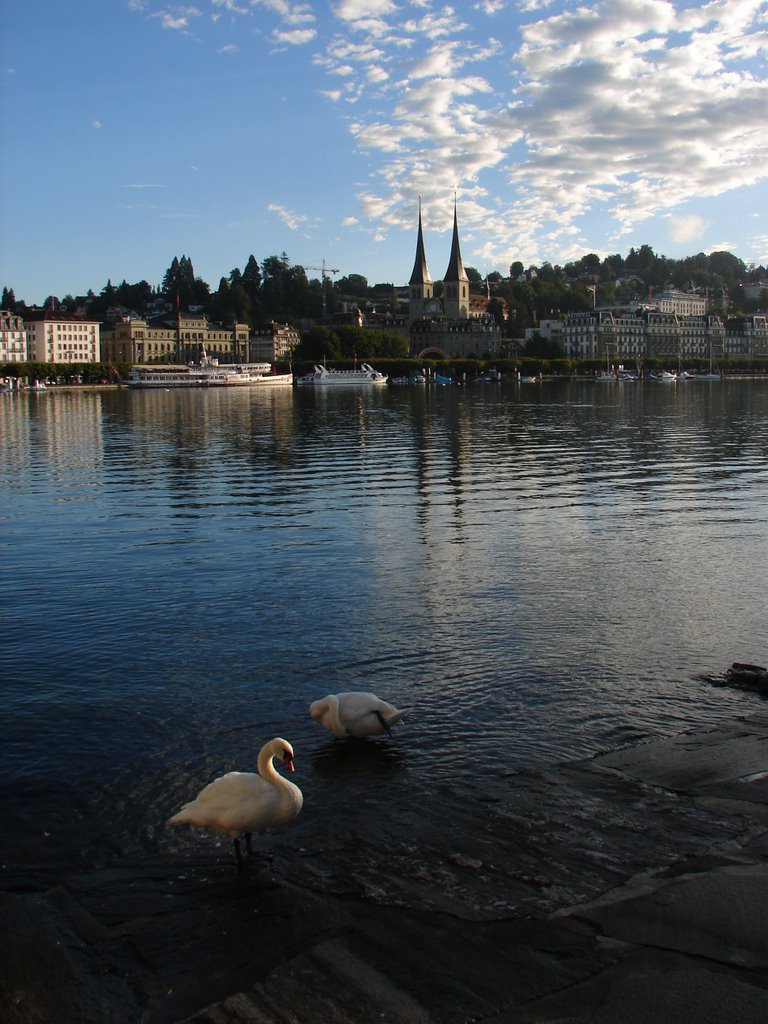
(288, 760)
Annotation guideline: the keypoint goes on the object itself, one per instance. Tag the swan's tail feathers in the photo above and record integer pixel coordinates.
(397, 718)
(183, 817)
(391, 720)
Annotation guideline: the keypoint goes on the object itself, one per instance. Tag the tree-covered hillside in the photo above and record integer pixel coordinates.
(276, 289)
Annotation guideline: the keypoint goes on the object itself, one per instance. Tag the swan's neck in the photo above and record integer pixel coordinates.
(268, 772)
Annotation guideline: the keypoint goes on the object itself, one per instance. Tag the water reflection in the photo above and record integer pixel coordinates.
(359, 759)
(538, 572)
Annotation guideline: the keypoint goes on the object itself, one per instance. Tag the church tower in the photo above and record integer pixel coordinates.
(455, 281)
(420, 296)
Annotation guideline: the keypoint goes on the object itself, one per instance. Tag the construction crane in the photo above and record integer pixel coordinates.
(326, 272)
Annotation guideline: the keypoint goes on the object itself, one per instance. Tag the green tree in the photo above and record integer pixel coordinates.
(354, 286)
(318, 344)
(273, 271)
(729, 267)
(134, 296)
(516, 269)
(252, 279)
(179, 283)
(230, 303)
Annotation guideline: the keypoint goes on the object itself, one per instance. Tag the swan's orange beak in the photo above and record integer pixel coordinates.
(288, 762)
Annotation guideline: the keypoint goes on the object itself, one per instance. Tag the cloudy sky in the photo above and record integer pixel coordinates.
(139, 130)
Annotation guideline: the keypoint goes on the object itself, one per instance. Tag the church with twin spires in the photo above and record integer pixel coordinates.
(457, 324)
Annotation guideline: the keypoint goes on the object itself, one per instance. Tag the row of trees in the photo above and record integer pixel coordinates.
(277, 289)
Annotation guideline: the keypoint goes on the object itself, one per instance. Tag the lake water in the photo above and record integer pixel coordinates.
(539, 571)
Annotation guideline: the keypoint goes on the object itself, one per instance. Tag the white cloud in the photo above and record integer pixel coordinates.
(294, 37)
(686, 229)
(178, 18)
(358, 10)
(617, 110)
(292, 220)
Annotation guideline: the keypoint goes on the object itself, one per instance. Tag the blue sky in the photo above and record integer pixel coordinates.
(138, 130)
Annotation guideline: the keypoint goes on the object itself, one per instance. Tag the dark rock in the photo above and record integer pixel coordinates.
(625, 888)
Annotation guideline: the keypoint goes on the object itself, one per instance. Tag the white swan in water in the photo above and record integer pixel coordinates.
(355, 714)
(240, 803)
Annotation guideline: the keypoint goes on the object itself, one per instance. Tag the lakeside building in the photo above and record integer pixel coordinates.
(746, 336)
(633, 335)
(13, 338)
(175, 339)
(456, 325)
(273, 342)
(57, 337)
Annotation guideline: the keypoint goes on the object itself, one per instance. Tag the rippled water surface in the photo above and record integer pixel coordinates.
(538, 571)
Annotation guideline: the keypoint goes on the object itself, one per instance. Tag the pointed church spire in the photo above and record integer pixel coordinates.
(420, 275)
(455, 271)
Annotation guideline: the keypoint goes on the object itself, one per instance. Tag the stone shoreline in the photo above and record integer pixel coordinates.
(631, 887)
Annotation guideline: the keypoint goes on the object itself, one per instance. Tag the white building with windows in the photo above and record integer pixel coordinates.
(57, 337)
(681, 303)
(13, 338)
(626, 335)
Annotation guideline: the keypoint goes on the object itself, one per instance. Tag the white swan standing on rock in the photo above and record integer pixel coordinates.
(240, 803)
(355, 714)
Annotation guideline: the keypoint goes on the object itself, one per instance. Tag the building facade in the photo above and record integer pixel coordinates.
(273, 342)
(57, 337)
(176, 339)
(630, 336)
(682, 303)
(453, 326)
(13, 338)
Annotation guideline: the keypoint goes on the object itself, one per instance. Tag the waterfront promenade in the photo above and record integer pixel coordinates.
(631, 887)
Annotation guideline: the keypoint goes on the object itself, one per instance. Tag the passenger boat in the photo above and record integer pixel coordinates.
(208, 373)
(323, 376)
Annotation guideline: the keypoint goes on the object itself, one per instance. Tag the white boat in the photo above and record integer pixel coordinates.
(208, 373)
(323, 376)
(714, 371)
(36, 385)
(665, 377)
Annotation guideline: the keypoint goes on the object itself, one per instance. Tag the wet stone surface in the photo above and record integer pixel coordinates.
(560, 895)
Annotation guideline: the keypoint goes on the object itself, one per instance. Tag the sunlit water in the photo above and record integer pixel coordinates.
(539, 571)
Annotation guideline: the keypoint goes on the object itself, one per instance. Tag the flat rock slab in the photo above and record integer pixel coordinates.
(728, 761)
(719, 914)
(594, 891)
